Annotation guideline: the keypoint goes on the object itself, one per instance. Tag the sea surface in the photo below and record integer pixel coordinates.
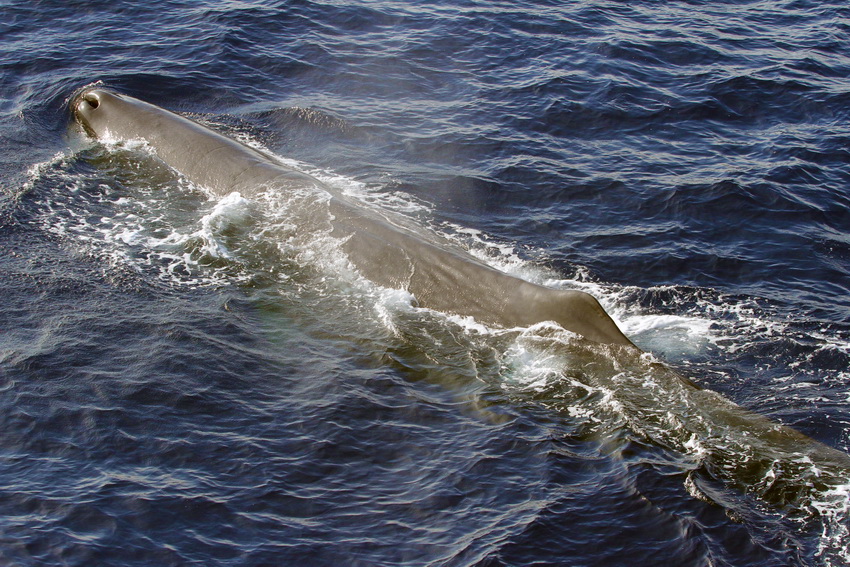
(188, 380)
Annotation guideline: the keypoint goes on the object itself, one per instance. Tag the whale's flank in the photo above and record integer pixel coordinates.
(439, 276)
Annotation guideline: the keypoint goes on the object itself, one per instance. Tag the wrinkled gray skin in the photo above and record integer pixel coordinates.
(743, 448)
(439, 276)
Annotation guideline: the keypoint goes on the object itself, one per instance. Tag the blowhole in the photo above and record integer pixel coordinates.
(92, 99)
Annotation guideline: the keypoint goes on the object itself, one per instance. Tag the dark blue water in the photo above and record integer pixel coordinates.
(188, 380)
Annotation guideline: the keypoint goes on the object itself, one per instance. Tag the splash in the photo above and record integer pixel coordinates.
(124, 215)
(231, 212)
(834, 509)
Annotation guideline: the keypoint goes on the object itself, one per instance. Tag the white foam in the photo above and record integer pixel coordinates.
(531, 369)
(671, 336)
(233, 209)
(500, 255)
(390, 302)
(138, 228)
(834, 509)
(534, 360)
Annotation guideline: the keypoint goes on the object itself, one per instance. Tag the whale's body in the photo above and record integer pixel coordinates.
(744, 447)
(439, 276)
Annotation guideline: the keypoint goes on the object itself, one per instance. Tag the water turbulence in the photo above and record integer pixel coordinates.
(278, 243)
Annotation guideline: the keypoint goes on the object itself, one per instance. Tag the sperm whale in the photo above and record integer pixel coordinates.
(439, 277)
(744, 447)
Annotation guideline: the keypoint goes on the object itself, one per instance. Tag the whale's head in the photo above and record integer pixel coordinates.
(108, 115)
(202, 155)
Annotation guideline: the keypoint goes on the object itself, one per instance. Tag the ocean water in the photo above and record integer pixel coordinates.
(189, 380)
